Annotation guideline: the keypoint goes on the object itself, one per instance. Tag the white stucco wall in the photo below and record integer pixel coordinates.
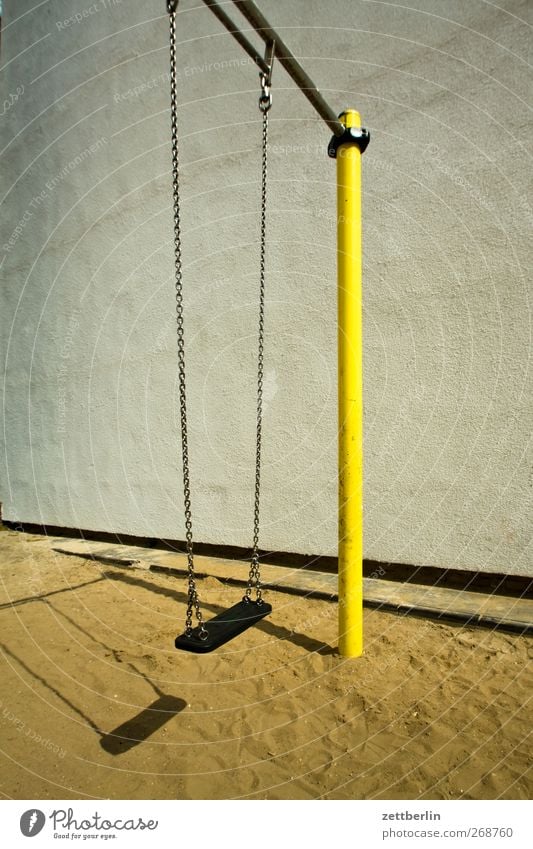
(90, 434)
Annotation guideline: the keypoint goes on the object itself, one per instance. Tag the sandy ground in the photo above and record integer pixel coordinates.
(97, 703)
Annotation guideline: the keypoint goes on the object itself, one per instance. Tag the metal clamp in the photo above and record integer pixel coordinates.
(357, 136)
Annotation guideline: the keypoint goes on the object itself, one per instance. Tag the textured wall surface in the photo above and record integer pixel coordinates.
(90, 431)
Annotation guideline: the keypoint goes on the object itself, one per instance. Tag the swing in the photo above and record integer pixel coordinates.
(207, 636)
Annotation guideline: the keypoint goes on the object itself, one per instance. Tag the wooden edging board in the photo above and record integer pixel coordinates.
(491, 610)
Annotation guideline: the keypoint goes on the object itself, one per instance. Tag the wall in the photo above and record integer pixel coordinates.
(90, 426)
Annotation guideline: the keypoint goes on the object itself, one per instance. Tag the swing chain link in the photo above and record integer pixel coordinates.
(254, 578)
(193, 603)
(265, 98)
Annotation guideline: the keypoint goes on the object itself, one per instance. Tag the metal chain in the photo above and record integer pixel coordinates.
(193, 603)
(254, 578)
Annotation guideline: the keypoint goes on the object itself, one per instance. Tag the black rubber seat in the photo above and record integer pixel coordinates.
(227, 625)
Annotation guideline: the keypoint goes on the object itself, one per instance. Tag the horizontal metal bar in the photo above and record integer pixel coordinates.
(290, 63)
(237, 34)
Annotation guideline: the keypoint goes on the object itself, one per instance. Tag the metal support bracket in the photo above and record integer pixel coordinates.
(357, 136)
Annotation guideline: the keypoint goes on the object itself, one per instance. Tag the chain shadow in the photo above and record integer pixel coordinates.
(128, 734)
(31, 672)
(140, 727)
(277, 631)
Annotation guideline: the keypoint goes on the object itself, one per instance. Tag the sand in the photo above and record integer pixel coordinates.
(97, 703)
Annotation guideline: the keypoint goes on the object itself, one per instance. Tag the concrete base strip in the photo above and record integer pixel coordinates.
(473, 607)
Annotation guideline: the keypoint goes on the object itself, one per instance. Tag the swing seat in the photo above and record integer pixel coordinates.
(224, 627)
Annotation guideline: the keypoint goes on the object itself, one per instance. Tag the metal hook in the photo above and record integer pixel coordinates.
(270, 52)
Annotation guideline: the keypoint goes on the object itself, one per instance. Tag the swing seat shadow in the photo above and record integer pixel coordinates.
(139, 728)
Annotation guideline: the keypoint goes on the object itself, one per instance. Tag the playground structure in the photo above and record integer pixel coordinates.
(87, 255)
(348, 143)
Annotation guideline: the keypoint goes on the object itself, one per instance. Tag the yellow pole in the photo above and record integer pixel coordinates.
(350, 386)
